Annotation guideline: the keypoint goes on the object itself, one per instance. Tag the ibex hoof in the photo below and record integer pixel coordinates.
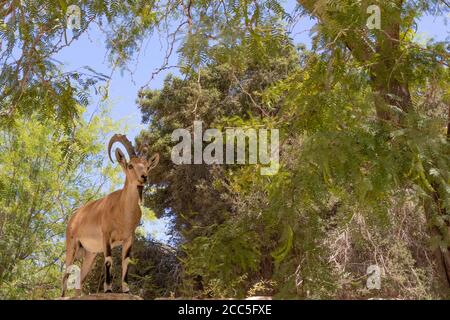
(125, 288)
(107, 288)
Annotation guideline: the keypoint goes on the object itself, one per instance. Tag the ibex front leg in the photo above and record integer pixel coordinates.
(126, 253)
(108, 265)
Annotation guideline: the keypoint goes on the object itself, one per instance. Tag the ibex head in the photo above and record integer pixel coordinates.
(138, 167)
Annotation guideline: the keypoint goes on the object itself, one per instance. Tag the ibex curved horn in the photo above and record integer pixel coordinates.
(125, 142)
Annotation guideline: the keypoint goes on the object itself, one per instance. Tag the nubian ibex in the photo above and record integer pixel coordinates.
(100, 225)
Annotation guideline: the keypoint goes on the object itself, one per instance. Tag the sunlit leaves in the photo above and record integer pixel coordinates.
(45, 173)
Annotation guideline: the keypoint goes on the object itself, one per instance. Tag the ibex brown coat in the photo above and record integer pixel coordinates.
(110, 221)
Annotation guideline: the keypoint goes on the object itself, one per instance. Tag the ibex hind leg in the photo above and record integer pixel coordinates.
(107, 287)
(126, 254)
(88, 261)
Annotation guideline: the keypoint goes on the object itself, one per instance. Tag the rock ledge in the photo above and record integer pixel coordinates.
(105, 296)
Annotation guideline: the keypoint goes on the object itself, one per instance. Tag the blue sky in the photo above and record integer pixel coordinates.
(90, 51)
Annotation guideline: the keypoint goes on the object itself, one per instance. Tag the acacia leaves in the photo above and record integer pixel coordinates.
(45, 175)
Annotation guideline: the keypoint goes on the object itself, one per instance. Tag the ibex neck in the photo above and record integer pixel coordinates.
(132, 193)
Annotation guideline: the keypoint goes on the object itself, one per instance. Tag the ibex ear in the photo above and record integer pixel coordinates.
(120, 157)
(153, 161)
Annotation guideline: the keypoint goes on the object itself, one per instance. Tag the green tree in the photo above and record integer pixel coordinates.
(32, 32)
(399, 71)
(199, 198)
(364, 117)
(45, 175)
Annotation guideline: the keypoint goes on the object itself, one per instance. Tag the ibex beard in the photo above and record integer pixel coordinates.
(103, 224)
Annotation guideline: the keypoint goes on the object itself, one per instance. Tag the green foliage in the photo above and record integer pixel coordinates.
(33, 32)
(227, 254)
(45, 174)
(204, 202)
(362, 137)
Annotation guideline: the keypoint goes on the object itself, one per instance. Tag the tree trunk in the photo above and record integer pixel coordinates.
(392, 89)
(393, 94)
(448, 123)
(398, 94)
(383, 56)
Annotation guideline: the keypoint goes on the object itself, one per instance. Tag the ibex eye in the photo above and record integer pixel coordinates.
(130, 166)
